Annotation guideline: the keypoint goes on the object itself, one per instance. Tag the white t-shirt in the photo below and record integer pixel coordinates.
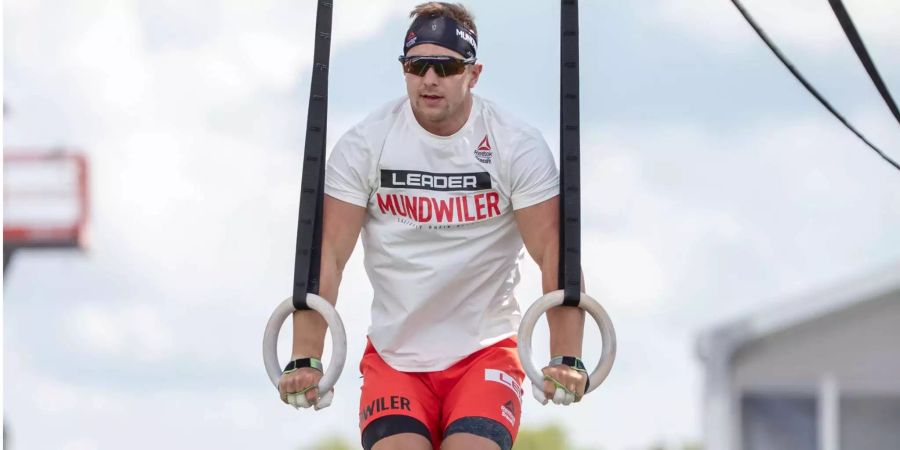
(441, 243)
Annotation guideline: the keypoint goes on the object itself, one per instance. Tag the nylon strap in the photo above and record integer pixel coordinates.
(309, 222)
(858, 46)
(569, 156)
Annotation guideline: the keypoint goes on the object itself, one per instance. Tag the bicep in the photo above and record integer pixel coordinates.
(539, 226)
(341, 224)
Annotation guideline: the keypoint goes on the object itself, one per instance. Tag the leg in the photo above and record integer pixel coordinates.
(397, 410)
(403, 441)
(483, 409)
(460, 435)
(396, 433)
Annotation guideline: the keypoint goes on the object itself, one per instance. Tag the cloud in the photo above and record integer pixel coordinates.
(624, 273)
(130, 331)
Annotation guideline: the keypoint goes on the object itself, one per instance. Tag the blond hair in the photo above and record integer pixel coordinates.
(455, 11)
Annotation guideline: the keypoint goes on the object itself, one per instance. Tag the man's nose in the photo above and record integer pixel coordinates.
(431, 77)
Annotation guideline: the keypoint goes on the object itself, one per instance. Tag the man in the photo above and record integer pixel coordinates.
(446, 190)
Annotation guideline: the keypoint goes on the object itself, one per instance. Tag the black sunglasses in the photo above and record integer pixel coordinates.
(444, 66)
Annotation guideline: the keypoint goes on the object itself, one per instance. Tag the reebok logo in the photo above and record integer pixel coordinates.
(507, 410)
(483, 152)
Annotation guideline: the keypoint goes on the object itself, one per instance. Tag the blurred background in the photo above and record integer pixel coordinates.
(739, 236)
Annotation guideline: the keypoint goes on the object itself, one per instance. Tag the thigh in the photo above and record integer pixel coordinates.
(487, 400)
(403, 441)
(467, 441)
(395, 405)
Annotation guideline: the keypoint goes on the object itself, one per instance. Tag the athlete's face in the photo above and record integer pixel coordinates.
(441, 104)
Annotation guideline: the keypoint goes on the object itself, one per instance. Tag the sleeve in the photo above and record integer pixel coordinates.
(349, 168)
(533, 174)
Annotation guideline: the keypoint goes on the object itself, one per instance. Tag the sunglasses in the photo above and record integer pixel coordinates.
(444, 66)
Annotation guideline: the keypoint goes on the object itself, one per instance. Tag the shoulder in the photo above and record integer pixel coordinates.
(368, 135)
(382, 119)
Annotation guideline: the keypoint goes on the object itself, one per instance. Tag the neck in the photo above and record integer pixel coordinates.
(450, 125)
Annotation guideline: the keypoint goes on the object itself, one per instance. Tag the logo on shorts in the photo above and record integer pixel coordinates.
(507, 410)
(483, 152)
(499, 376)
(381, 404)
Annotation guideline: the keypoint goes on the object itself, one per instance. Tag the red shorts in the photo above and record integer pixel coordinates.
(481, 395)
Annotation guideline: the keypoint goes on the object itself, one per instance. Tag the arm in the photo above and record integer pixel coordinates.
(539, 227)
(341, 224)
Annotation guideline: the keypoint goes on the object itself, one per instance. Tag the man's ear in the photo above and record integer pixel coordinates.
(476, 73)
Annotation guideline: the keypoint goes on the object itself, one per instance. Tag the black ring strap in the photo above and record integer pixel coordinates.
(856, 41)
(569, 156)
(312, 184)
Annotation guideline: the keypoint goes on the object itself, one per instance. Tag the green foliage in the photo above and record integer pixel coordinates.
(550, 437)
(331, 443)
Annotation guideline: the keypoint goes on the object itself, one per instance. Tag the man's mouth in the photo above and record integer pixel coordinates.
(432, 100)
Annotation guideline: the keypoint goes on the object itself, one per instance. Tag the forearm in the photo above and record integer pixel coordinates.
(566, 331)
(566, 323)
(309, 326)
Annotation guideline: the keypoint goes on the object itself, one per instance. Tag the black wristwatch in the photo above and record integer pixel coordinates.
(300, 363)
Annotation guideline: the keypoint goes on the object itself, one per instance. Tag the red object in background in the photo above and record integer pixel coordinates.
(45, 199)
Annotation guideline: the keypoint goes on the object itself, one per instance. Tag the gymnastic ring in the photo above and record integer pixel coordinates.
(526, 329)
(338, 341)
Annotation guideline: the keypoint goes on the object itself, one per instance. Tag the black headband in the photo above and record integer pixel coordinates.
(442, 31)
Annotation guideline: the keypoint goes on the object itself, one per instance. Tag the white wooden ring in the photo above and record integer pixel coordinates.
(338, 341)
(607, 333)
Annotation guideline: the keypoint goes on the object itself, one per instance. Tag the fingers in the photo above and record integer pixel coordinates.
(325, 401)
(306, 397)
(299, 388)
(298, 400)
(549, 387)
(563, 397)
(561, 394)
(563, 385)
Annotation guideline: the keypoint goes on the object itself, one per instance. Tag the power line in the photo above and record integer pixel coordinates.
(805, 83)
(856, 41)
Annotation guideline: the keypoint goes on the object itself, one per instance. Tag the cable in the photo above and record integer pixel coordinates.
(806, 84)
(856, 41)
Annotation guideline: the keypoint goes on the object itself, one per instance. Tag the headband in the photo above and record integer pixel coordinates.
(443, 31)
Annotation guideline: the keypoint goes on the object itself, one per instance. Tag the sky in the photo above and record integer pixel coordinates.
(715, 187)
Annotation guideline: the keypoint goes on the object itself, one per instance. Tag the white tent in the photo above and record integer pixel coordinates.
(820, 372)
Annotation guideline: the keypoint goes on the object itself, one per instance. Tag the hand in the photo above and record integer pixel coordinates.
(299, 388)
(563, 384)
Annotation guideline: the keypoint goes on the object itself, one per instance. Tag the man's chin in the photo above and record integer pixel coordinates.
(432, 114)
